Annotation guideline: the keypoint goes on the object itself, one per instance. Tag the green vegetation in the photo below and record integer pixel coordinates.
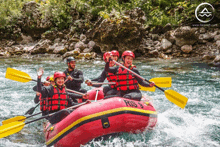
(158, 12)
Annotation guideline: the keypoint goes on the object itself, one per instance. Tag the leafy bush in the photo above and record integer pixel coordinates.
(158, 12)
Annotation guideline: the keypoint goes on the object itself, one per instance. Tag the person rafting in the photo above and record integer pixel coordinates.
(127, 83)
(55, 97)
(74, 76)
(49, 81)
(110, 89)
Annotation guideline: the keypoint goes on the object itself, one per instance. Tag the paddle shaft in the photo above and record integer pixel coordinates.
(75, 92)
(68, 89)
(55, 112)
(34, 114)
(135, 74)
(103, 83)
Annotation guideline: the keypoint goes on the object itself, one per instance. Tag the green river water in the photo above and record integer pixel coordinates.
(198, 125)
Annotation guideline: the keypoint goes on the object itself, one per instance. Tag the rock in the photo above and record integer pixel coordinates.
(10, 43)
(202, 30)
(70, 53)
(186, 48)
(169, 36)
(217, 37)
(72, 46)
(41, 47)
(85, 55)
(82, 38)
(185, 55)
(51, 35)
(217, 59)
(60, 35)
(206, 36)
(76, 50)
(154, 52)
(25, 39)
(163, 56)
(208, 57)
(178, 54)
(157, 43)
(93, 55)
(64, 41)
(9, 49)
(57, 40)
(218, 43)
(60, 50)
(80, 45)
(165, 44)
(168, 51)
(18, 50)
(87, 50)
(185, 36)
(124, 32)
(154, 36)
(166, 28)
(73, 39)
(91, 44)
(51, 48)
(5, 54)
(27, 49)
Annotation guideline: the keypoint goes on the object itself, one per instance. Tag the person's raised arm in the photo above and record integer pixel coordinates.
(111, 69)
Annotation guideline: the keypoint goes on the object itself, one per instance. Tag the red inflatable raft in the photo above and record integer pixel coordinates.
(101, 118)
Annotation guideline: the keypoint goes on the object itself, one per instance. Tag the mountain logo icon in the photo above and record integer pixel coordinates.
(204, 12)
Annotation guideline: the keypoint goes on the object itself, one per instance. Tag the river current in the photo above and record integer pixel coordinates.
(198, 125)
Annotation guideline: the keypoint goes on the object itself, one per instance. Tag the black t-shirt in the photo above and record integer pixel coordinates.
(78, 79)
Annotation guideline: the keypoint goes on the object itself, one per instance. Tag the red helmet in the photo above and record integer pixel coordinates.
(59, 74)
(128, 53)
(50, 78)
(115, 53)
(105, 54)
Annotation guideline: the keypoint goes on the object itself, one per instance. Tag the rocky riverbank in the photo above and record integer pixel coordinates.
(32, 35)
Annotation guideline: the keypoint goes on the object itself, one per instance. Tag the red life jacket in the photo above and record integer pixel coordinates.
(43, 103)
(111, 78)
(125, 79)
(57, 102)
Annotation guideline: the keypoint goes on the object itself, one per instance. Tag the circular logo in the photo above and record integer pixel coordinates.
(204, 12)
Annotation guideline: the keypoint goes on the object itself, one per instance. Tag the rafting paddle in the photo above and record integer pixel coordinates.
(18, 118)
(163, 82)
(16, 126)
(100, 83)
(20, 76)
(171, 95)
(22, 118)
(30, 111)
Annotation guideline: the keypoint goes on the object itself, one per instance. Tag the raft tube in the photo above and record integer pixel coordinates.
(96, 119)
(92, 94)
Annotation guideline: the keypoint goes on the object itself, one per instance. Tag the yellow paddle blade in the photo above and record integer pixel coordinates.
(163, 82)
(17, 118)
(17, 75)
(11, 128)
(150, 89)
(176, 98)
